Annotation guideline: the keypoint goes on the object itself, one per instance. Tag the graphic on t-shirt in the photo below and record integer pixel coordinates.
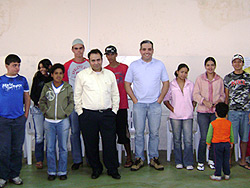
(119, 77)
(11, 86)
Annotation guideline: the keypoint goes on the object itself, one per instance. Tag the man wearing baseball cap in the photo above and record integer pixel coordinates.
(72, 68)
(120, 70)
(237, 87)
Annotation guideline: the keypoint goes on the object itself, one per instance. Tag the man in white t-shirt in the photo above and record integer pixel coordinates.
(72, 68)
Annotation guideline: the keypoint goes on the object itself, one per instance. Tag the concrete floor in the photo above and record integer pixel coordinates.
(147, 177)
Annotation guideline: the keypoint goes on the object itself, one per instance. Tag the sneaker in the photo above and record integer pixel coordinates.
(76, 166)
(226, 177)
(2, 182)
(179, 166)
(200, 167)
(17, 180)
(190, 167)
(211, 164)
(137, 165)
(154, 162)
(216, 178)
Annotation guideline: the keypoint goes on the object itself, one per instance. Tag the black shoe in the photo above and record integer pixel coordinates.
(63, 177)
(51, 177)
(76, 166)
(96, 174)
(115, 175)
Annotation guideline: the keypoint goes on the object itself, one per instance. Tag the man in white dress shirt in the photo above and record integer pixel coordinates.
(97, 99)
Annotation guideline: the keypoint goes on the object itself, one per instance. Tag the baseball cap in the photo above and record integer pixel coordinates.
(110, 50)
(77, 41)
(238, 56)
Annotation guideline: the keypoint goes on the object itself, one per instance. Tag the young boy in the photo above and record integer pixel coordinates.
(220, 134)
(56, 103)
(120, 69)
(14, 92)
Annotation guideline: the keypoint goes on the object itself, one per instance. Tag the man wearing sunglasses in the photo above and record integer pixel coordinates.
(72, 68)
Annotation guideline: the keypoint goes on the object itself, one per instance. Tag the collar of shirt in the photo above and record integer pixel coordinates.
(144, 62)
(90, 71)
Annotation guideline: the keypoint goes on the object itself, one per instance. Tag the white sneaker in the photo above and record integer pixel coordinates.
(211, 164)
(179, 166)
(17, 180)
(216, 178)
(200, 167)
(190, 167)
(226, 177)
(2, 183)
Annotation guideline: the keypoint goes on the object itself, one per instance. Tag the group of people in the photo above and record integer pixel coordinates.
(86, 98)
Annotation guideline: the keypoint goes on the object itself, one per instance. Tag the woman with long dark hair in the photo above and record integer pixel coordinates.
(40, 78)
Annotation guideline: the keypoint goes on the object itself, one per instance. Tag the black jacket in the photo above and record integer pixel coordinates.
(37, 85)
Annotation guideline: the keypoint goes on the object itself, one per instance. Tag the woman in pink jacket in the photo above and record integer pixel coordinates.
(208, 91)
(180, 103)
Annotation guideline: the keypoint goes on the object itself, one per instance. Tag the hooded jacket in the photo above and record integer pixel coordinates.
(56, 106)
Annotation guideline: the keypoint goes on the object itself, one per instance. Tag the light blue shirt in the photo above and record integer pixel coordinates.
(146, 79)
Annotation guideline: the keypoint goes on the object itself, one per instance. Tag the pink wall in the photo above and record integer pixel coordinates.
(182, 30)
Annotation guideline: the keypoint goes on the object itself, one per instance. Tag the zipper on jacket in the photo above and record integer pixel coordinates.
(56, 107)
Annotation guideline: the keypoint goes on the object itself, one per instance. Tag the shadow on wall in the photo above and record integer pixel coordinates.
(223, 11)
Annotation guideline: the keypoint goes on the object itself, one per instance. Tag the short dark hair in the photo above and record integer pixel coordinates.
(12, 58)
(95, 51)
(57, 66)
(182, 65)
(221, 109)
(209, 59)
(146, 42)
(46, 63)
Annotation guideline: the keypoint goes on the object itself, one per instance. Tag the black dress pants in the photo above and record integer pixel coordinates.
(93, 122)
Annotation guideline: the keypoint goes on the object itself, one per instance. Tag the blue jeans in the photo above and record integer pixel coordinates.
(240, 124)
(38, 120)
(12, 133)
(204, 119)
(75, 140)
(152, 111)
(61, 132)
(185, 125)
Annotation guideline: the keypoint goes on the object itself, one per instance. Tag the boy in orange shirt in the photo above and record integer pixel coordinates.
(220, 134)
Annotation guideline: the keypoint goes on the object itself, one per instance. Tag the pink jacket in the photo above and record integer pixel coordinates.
(209, 90)
(181, 101)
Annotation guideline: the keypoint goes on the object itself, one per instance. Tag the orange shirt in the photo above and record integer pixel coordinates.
(220, 130)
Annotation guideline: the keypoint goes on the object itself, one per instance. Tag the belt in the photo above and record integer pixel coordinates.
(101, 111)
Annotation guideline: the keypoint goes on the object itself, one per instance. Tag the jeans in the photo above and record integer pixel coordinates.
(152, 111)
(204, 119)
(185, 125)
(12, 133)
(38, 120)
(75, 140)
(240, 124)
(58, 131)
(221, 156)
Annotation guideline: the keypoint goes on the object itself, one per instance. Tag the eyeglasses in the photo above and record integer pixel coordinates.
(78, 48)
